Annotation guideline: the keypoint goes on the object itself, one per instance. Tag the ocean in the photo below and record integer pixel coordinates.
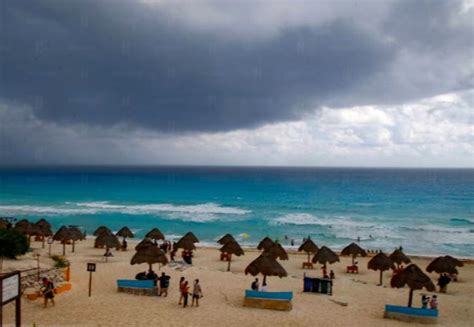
(427, 211)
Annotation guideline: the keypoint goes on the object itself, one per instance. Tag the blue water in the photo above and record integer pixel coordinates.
(427, 211)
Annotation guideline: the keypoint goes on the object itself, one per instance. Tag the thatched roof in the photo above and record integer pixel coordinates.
(125, 232)
(399, 257)
(226, 238)
(191, 236)
(155, 234)
(144, 243)
(354, 250)
(232, 247)
(186, 244)
(62, 234)
(277, 251)
(99, 230)
(107, 239)
(28, 228)
(380, 262)
(442, 265)
(456, 262)
(266, 265)
(44, 227)
(265, 244)
(308, 246)
(414, 277)
(76, 233)
(150, 255)
(325, 255)
(43, 223)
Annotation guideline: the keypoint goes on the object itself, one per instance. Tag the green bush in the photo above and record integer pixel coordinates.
(12, 243)
(60, 261)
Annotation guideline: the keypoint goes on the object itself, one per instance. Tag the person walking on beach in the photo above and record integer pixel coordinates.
(164, 284)
(443, 282)
(181, 284)
(48, 291)
(197, 293)
(185, 293)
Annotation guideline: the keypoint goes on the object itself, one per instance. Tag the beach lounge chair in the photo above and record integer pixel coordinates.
(352, 269)
(419, 315)
(137, 287)
(268, 300)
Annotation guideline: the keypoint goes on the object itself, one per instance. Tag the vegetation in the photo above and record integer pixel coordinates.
(12, 244)
(60, 261)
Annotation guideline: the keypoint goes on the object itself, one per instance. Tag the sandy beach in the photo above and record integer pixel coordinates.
(223, 294)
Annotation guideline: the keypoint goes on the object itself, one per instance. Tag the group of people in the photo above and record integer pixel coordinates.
(185, 292)
(331, 274)
(425, 300)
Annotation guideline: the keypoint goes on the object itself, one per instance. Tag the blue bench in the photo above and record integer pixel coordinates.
(139, 287)
(268, 300)
(427, 316)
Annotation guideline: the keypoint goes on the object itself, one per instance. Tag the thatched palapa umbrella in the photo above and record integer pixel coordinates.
(231, 247)
(100, 230)
(309, 247)
(76, 235)
(125, 232)
(155, 234)
(265, 244)
(27, 228)
(63, 235)
(380, 262)
(185, 244)
(414, 278)
(149, 254)
(45, 228)
(109, 240)
(144, 243)
(277, 251)
(442, 265)
(399, 257)
(266, 265)
(325, 255)
(456, 262)
(353, 250)
(191, 236)
(226, 238)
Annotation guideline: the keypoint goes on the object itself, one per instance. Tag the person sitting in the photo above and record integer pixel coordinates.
(141, 276)
(264, 288)
(424, 301)
(434, 303)
(152, 276)
(254, 285)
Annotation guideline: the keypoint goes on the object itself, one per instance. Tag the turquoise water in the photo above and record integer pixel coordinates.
(427, 211)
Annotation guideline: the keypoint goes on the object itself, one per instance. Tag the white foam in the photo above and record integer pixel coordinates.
(200, 212)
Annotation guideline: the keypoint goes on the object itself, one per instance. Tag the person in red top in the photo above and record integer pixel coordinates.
(185, 293)
(48, 291)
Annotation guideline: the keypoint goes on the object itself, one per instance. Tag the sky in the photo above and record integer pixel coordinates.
(298, 83)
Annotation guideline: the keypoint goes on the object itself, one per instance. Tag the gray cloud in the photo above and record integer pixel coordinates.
(105, 64)
(186, 68)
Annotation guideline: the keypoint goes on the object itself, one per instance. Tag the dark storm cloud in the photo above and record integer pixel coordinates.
(72, 69)
(106, 63)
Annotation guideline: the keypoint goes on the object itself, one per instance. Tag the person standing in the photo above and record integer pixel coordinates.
(434, 303)
(185, 293)
(197, 293)
(48, 291)
(181, 284)
(164, 284)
